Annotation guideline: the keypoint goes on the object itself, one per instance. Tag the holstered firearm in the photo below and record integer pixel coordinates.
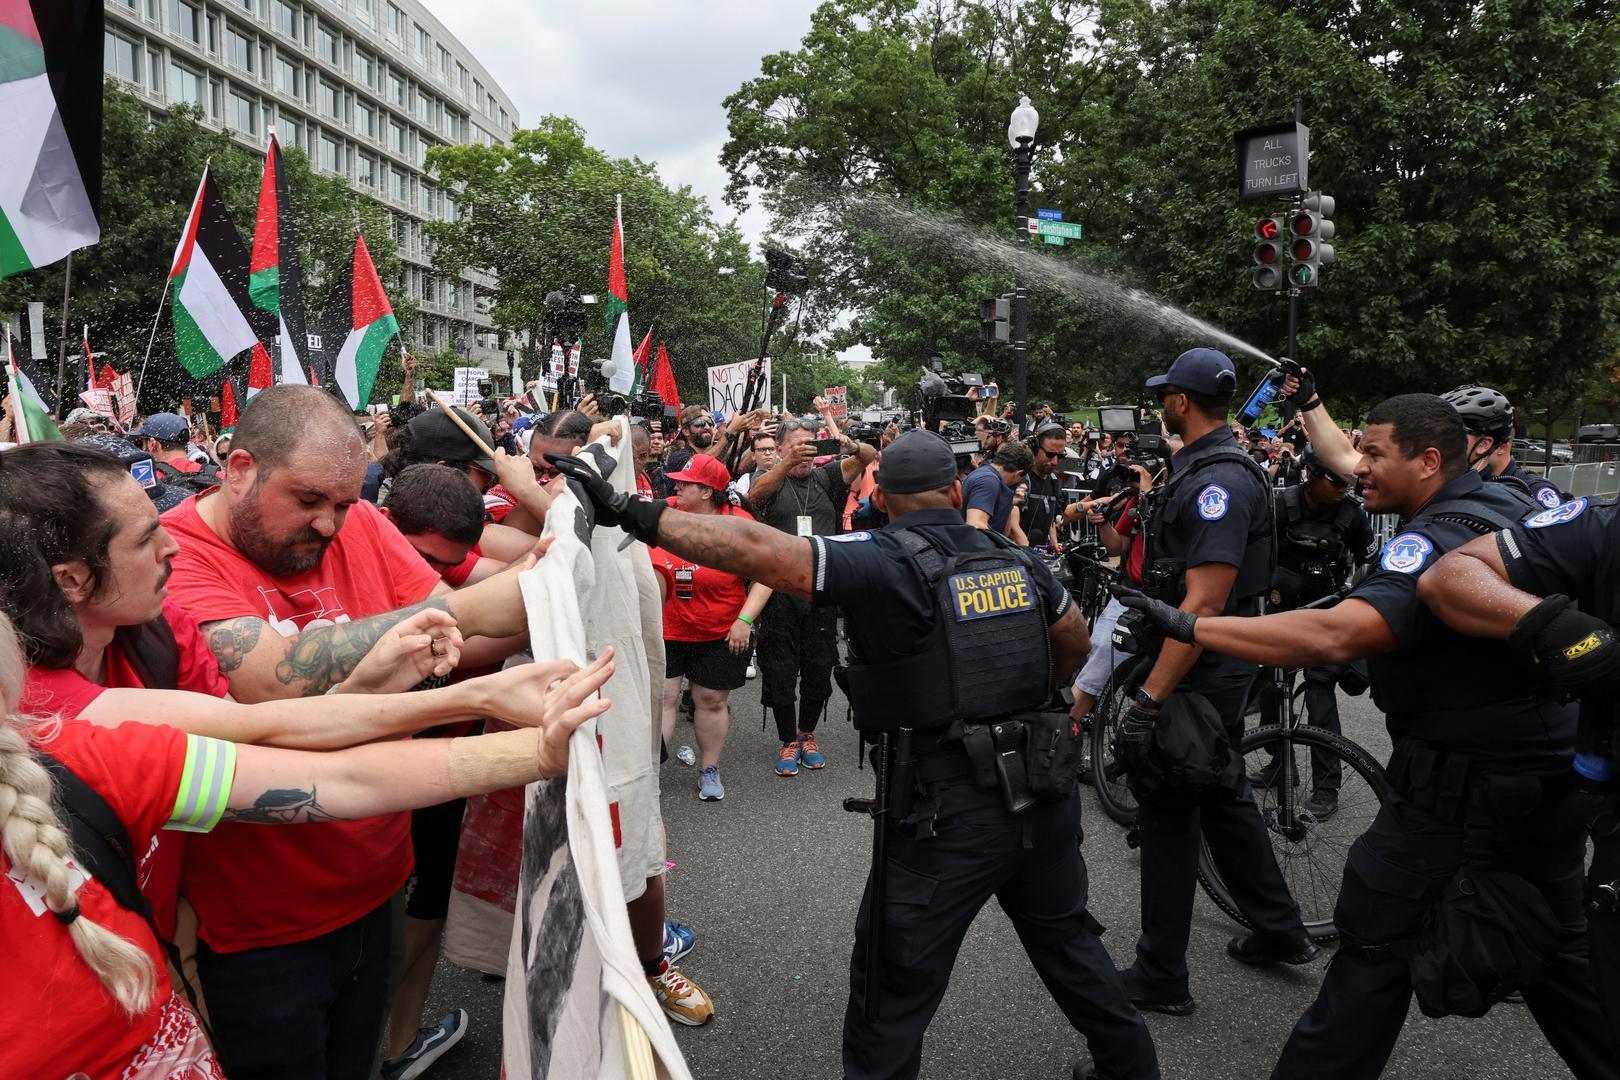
(893, 757)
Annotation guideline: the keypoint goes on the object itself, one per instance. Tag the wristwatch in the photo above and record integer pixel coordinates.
(1145, 700)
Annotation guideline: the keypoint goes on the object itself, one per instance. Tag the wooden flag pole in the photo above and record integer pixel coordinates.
(61, 345)
(466, 429)
(638, 1052)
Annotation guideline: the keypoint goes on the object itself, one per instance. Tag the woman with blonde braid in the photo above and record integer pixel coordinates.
(86, 990)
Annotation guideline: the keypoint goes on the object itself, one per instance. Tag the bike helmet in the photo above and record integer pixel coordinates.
(1484, 411)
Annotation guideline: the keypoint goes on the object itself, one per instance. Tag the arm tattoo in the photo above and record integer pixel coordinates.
(323, 657)
(745, 548)
(282, 806)
(232, 640)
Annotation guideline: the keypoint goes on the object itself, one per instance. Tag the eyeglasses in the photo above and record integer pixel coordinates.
(1050, 453)
(701, 423)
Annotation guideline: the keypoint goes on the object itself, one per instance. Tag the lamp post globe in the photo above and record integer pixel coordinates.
(1021, 127)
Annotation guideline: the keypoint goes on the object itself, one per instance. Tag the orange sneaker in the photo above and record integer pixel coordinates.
(787, 762)
(810, 755)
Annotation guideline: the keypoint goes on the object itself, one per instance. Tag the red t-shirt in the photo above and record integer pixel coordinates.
(457, 576)
(252, 886)
(703, 602)
(185, 465)
(58, 1018)
(66, 693)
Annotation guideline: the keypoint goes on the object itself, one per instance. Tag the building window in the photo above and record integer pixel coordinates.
(186, 85)
(428, 196)
(422, 42)
(121, 57)
(424, 109)
(365, 171)
(490, 110)
(285, 18)
(396, 23)
(397, 186)
(449, 125)
(239, 51)
(287, 80)
(396, 90)
(185, 20)
(330, 155)
(365, 119)
(365, 69)
(447, 209)
(326, 44)
(444, 62)
(154, 71)
(331, 101)
(422, 148)
(478, 95)
(290, 131)
(461, 79)
(243, 114)
(396, 136)
(506, 125)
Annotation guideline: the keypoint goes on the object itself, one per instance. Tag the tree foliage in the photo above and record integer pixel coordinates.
(539, 212)
(151, 170)
(1472, 149)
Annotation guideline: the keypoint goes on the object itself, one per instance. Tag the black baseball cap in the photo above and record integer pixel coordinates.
(1203, 371)
(917, 461)
(434, 435)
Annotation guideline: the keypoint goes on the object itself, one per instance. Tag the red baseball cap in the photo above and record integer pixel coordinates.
(703, 469)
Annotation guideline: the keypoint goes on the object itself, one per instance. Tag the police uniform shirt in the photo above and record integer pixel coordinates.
(1453, 691)
(1568, 549)
(1210, 518)
(1359, 540)
(1545, 493)
(819, 496)
(883, 591)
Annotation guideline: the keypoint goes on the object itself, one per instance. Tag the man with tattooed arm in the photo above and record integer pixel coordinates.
(293, 578)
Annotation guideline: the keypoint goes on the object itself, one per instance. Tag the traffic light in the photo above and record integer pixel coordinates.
(1268, 254)
(1309, 230)
(993, 325)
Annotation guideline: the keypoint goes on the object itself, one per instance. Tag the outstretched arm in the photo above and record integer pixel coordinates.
(1468, 590)
(745, 548)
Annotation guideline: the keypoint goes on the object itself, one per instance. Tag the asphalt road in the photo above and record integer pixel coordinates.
(770, 878)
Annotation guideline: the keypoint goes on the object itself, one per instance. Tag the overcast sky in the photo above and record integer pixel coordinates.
(643, 77)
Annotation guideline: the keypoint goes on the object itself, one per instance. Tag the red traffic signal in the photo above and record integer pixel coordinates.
(1303, 224)
(1266, 229)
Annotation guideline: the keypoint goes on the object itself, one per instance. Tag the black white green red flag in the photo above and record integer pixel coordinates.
(357, 323)
(209, 280)
(32, 402)
(50, 130)
(275, 283)
(618, 310)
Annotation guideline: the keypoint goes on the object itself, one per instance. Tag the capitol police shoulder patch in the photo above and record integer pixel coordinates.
(1406, 553)
(1213, 502)
(849, 538)
(1557, 515)
(1547, 497)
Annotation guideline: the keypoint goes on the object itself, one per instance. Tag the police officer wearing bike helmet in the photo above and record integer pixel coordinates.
(1494, 588)
(1323, 536)
(1209, 537)
(1479, 772)
(957, 638)
(1489, 418)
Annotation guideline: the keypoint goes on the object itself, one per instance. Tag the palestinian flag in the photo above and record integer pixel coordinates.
(275, 284)
(618, 311)
(210, 283)
(32, 402)
(50, 129)
(228, 412)
(663, 380)
(358, 322)
(639, 361)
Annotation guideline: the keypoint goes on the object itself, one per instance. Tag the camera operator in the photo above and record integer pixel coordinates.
(1323, 536)
(991, 433)
(987, 493)
(1115, 474)
(1043, 501)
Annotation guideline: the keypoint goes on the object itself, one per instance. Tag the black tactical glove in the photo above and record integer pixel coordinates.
(1305, 396)
(1133, 740)
(635, 514)
(1579, 653)
(1175, 623)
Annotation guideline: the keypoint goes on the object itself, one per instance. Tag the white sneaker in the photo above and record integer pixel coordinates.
(752, 674)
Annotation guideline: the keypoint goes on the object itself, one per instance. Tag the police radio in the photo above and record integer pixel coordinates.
(1269, 390)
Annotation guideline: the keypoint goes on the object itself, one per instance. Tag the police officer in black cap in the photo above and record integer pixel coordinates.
(1480, 771)
(1209, 537)
(957, 638)
(1493, 587)
(1323, 536)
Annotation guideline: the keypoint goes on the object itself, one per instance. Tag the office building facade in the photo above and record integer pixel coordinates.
(364, 87)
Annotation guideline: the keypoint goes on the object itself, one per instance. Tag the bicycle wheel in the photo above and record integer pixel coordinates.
(1107, 777)
(1311, 853)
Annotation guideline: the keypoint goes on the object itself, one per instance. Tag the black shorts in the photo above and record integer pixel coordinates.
(435, 837)
(706, 663)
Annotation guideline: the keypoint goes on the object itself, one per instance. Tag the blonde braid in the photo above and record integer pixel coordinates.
(36, 844)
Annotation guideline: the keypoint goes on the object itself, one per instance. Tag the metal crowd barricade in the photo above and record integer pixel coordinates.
(1591, 480)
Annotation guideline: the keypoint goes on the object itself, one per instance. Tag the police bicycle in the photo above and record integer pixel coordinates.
(1087, 578)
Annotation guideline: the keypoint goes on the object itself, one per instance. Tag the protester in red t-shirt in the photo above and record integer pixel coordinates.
(293, 579)
(708, 624)
(93, 993)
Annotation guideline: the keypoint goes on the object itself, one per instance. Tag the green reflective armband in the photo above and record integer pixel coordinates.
(205, 784)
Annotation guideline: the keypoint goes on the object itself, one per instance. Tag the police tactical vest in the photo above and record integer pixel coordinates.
(1164, 574)
(1449, 673)
(988, 655)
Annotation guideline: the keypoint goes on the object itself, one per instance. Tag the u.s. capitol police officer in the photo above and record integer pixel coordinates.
(1480, 766)
(1209, 536)
(957, 637)
(1488, 416)
(1493, 588)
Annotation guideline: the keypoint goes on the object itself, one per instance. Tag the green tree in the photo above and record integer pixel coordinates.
(151, 170)
(1471, 147)
(539, 211)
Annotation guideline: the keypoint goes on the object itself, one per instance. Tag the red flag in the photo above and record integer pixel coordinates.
(663, 380)
(261, 370)
(108, 377)
(639, 360)
(228, 414)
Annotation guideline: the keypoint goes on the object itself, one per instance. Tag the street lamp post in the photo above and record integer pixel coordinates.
(511, 373)
(1021, 137)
